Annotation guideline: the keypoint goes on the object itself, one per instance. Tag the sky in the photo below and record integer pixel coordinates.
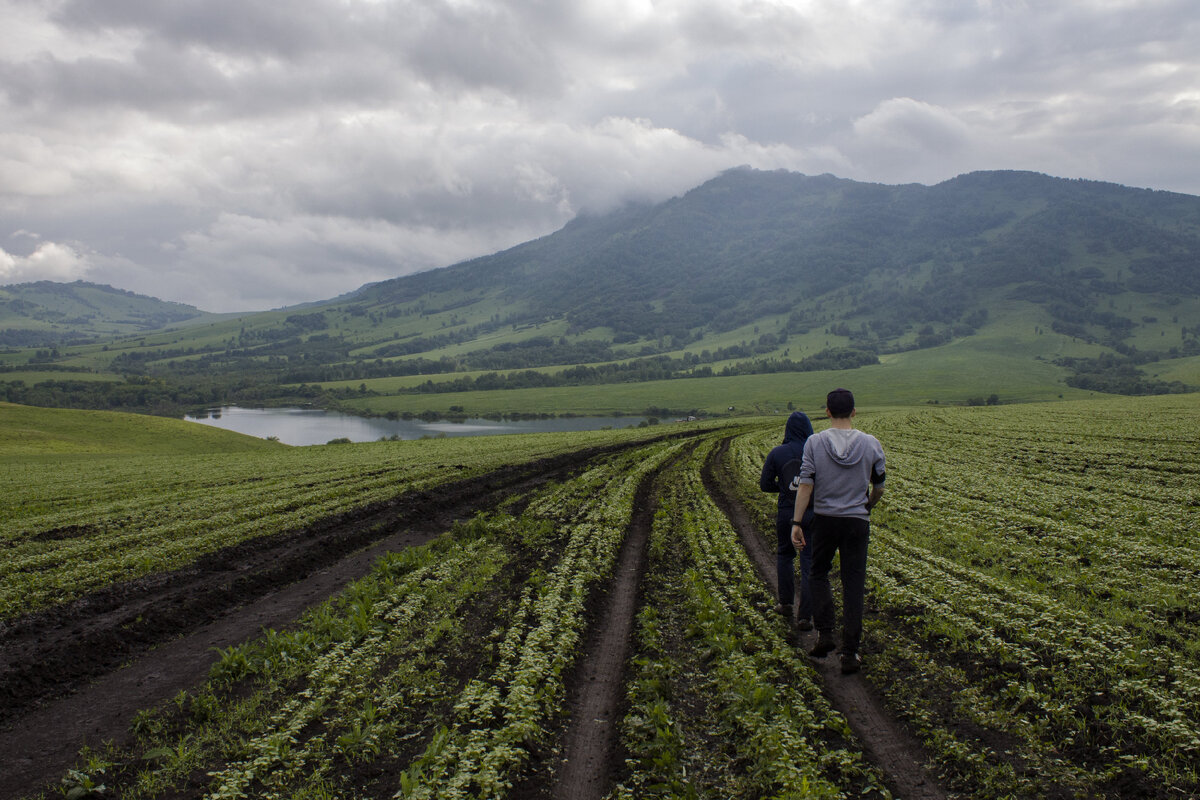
(241, 155)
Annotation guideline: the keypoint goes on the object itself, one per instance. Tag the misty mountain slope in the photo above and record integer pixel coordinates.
(749, 244)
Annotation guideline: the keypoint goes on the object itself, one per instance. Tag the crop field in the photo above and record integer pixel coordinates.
(1033, 618)
(76, 524)
(1035, 583)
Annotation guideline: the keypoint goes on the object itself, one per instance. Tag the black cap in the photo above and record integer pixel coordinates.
(839, 402)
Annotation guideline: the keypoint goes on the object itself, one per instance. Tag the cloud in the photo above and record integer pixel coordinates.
(905, 139)
(241, 154)
(50, 261)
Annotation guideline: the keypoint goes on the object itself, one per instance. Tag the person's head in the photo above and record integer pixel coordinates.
(798, 427)
(839, 404)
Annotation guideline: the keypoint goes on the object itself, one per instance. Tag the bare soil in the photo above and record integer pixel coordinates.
(597, 697)
(75, 675)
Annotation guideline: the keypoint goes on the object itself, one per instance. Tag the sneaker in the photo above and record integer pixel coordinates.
(805, 625)
(850, 662)
(784, 610)
(824, 646)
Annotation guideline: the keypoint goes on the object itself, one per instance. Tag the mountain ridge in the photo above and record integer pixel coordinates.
(751, 271)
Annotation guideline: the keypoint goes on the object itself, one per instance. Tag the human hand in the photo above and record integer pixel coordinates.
(798, 536)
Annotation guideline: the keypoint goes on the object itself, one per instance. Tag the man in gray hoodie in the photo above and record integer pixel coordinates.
(838, 466)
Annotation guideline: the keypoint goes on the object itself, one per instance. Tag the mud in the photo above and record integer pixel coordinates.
(597, 697)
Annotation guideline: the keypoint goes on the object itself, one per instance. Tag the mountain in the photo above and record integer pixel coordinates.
(885, 268)
(49, 314)
(751, 272)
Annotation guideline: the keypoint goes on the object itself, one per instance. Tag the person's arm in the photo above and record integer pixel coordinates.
(769, 480)
(803, 494)
(878, 475)
(873, 498)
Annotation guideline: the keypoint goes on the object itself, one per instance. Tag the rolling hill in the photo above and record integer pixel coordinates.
(49, 314)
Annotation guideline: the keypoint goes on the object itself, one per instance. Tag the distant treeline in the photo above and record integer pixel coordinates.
(1118, 374)
(539, 351)
(161, 396)
(649, 369)
(19, 337)
(150, 396)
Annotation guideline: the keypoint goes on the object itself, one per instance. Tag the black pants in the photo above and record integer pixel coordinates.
(847, 536)
(785, 567)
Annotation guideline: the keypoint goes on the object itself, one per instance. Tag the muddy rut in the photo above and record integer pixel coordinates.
(597, 693)
(76, 675)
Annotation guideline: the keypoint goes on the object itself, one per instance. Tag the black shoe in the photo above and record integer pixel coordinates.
(784, 610)
(850, 662)
(805, 625)
(824, 646)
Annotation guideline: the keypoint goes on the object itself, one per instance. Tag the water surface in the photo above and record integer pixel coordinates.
(304, 426)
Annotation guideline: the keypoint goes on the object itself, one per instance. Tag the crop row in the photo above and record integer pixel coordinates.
(436, 676)
(721, 705)
(1034, 579)
(74, 526)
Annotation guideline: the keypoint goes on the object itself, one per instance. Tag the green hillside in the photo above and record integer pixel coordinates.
(48, 315)
(28, 431)
(1008, 283)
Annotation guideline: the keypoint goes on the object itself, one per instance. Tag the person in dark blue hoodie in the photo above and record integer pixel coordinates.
(780, 474)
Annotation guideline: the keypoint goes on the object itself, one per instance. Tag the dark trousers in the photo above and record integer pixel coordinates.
(785, 557)
(848, 537)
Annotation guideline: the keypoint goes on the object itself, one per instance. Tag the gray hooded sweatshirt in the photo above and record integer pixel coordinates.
(841, 465)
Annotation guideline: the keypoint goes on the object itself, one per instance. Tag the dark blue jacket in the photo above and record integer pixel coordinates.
(783, 466)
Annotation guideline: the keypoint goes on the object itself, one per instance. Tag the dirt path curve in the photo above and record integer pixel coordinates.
(76, 675)
(885, 742)
(597, 699)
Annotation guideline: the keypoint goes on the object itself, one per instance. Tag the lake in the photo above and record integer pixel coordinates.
(304, 426)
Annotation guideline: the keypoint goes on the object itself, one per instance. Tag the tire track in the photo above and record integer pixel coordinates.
(75, 676)
(885, 741)
(597, 698)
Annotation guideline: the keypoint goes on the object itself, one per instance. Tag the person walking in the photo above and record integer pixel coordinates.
(780, 474)
(838, 466)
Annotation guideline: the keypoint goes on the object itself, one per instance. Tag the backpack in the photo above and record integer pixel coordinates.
(789, 476)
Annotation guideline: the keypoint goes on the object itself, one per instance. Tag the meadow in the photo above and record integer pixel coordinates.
(950, 375)
(1032, 613)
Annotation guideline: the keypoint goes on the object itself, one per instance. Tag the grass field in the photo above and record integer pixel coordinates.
(28, 431)
(1186, 370)
(952, 374)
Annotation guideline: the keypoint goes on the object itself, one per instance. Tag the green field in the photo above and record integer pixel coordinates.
(948, 375)
(1033, 587)
(29, 431)
(1186, 370)
(151, 494)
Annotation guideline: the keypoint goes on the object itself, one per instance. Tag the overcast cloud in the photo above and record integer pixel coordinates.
(250, 154)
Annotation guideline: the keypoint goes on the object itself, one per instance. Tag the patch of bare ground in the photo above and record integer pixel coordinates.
(583, 766)
(886, 743)
(76, 675)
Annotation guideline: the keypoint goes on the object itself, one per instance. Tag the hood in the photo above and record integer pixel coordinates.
(798, 428)
(846, 447)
